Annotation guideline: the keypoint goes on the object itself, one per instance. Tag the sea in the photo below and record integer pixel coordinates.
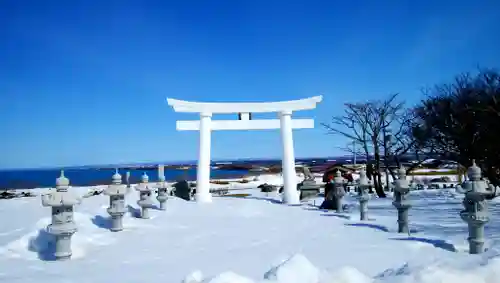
(101, 175)
(46, 178)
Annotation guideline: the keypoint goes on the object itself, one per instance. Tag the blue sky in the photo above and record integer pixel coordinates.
(86, 82)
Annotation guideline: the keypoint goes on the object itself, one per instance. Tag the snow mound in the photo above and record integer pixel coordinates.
(346, 275)
(460, 268)
(298, 269)
(229, 277)
(445, 272)
(39, 244)
(274, 179)
(193, 277)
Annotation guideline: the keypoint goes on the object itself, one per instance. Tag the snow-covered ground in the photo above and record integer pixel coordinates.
(256, 239)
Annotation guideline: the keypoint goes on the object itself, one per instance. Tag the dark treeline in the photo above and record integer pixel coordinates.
(458, 121)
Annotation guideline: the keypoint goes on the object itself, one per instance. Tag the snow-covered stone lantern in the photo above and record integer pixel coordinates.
(162, 192)
(402, 204)
(363, 196)
(127, 180)
(63, 226)
(476, 213)
(116, 192)
(144, 201)
(338, 190)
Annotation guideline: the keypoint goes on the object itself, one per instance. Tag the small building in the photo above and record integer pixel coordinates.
(330, 172)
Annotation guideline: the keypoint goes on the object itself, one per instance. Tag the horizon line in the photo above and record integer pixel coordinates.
(176, 162)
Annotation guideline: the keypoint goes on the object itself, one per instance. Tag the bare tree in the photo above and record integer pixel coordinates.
(353, 126)
(380, 127)
(399, 139)
(459, 120)
(354, 148)
(364, 124)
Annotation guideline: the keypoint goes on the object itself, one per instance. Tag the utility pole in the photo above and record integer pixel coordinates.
(387, 153)
(354, 153)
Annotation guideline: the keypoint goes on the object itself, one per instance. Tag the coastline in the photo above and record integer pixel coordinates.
(28, 180)
(222, 172)
(227, 184)
(94, 176)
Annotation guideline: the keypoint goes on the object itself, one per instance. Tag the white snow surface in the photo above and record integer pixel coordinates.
(250, 240)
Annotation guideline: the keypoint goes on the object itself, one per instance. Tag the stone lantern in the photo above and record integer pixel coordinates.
(162, 193)
(127, 180)
(116, 192)
(144, 201)
(402, 204)
(63, 226)
(363, 196)
(476, 213)
(308, 187)
(338, 190)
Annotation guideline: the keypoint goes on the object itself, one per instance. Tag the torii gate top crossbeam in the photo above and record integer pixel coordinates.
(248, 107)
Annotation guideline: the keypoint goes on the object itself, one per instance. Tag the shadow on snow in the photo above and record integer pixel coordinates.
(102, 222)
(441, 244)
(135, 212)
(272, 200)
(338, 215)
(44, 245)
(377, 227)
(369, 225)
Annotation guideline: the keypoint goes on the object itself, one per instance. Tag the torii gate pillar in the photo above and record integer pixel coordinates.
(203, 167)
(205, 126)
(288, 162)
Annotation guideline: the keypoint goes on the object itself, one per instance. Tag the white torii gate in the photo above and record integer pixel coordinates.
(205, 126)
